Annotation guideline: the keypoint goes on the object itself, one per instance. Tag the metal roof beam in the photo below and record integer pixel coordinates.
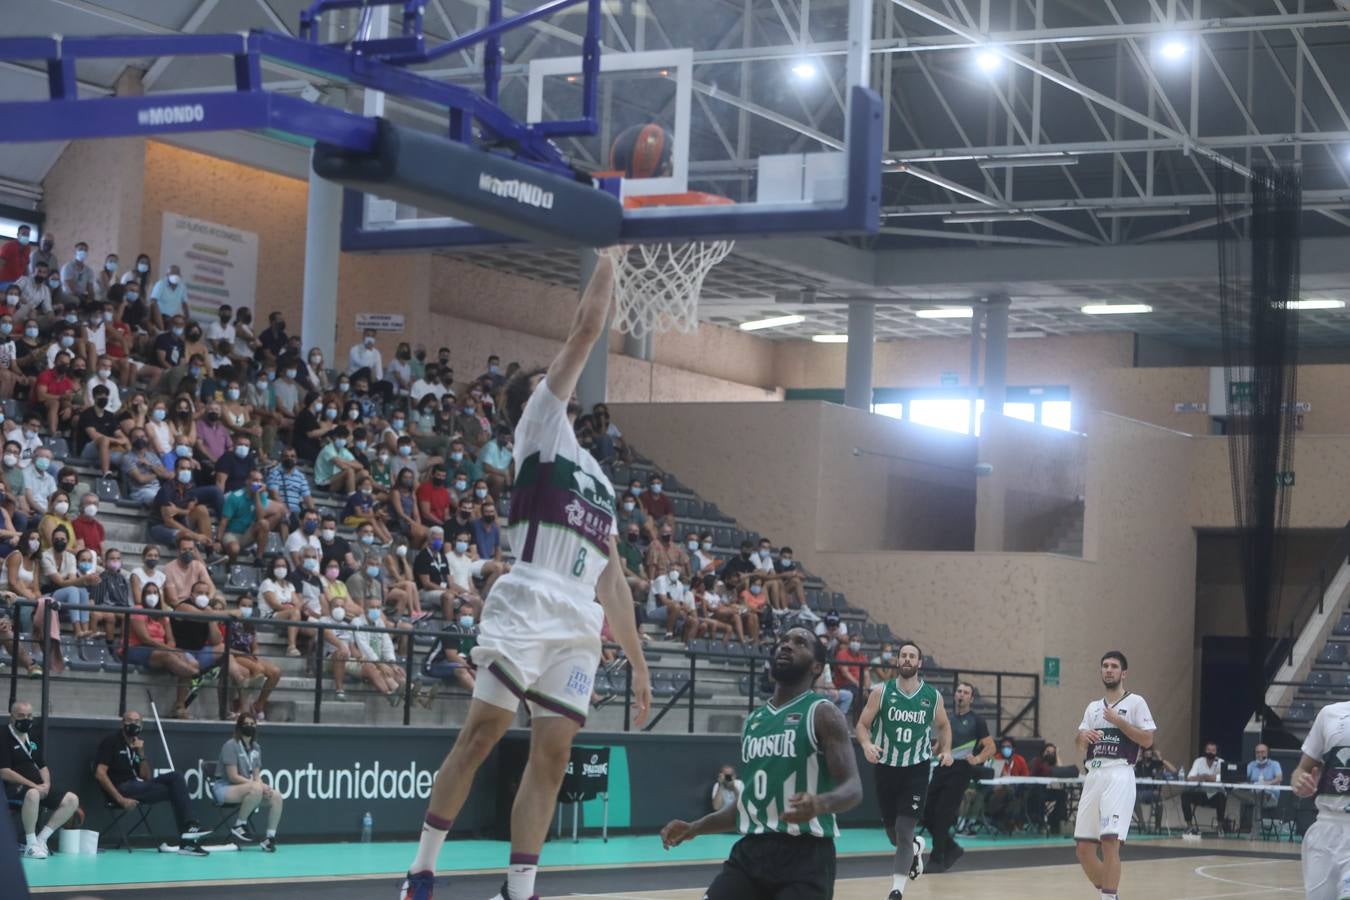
(1087, 148)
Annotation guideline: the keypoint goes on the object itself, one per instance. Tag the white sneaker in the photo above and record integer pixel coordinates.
(916, 867)
(35, 851)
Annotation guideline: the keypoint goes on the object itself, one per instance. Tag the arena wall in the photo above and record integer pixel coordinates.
(1037, 477)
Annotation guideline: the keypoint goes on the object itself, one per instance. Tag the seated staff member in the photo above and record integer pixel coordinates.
(23, 768)
(122, 769)
(241, 782)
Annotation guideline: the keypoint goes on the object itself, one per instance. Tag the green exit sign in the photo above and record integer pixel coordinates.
(1240, 392)
(1050, 674)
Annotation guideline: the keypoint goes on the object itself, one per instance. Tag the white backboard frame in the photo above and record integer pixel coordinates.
(680, 63)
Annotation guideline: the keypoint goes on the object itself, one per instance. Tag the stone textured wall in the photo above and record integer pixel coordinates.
(94, 194)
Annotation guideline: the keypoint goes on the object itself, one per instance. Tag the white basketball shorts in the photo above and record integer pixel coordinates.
(1326, 859)
(1106, 804)
(539, 645)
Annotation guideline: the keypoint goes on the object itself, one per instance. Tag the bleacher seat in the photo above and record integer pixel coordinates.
(1300, 711)
(243, 577)
(661, 684)
(82, 657)
(1332, 655)
(1342, 628)
(57, 444)
(1317, 681)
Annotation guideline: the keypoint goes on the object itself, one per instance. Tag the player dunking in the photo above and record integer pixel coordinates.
(1324, 772)
(798, 768)
(896, 731)
(1113, 732)
(539, 639)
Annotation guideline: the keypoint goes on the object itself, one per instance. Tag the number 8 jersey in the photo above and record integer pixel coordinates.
(562, 504)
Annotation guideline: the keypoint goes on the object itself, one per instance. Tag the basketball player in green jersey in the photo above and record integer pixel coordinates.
(799, 772)
(896, 731)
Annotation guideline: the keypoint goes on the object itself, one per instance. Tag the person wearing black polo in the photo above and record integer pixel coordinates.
(972, 747)
(23, 768)
(123, 771)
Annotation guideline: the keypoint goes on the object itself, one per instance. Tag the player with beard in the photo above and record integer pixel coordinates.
(799, 772)
(539, 637)
(896, 731)
(1114, 730)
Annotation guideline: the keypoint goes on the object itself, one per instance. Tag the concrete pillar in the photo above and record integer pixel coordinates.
(996, 352)
(323, 246)
(593, 385)
(858, 363)
(976, 316)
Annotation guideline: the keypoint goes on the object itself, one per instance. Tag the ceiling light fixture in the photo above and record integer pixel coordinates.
(945, 312)
(775, 322)
(1025, 334)
(805, 70)
(830, 338)
(1317, 303)
(988, 61)
(1173, 49)
(1023, 162)
(979, 218)
(1131, 212)
(1116, 309)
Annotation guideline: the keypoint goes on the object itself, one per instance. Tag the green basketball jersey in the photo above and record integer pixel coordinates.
(903, 727)
(780, 758)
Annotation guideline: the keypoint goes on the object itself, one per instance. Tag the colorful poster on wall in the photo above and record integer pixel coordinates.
(219, 263)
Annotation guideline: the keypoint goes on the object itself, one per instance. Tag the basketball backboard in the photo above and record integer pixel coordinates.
(757, 105)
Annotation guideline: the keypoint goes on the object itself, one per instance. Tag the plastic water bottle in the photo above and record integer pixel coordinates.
(367, 826)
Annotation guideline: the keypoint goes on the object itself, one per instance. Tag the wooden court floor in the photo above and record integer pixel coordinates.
(1191, 877)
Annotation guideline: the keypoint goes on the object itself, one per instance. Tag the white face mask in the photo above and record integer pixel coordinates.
(280, 572)
(402, 550)
(91, 511)
(328, 534)
(246, 611)
(202, 601)
(61, 508)
(339, 613)
(151, 600)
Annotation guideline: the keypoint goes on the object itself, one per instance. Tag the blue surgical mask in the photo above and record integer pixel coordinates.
(159, 415)
(241, 451)
(372, 571)
(656, 489)
(185, 476)
(232, 393)
(368, 539)
(1007, 752)
(437, 544)
(466, 621)
(80, 255)
(85, 566)
(374, 615)
(461, 546)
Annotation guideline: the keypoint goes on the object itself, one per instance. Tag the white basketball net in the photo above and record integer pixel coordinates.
(657, 285)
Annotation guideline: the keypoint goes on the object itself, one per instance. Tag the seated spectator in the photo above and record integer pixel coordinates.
(182, 574)
(114, 591)
(789, 578)
(54, 392)
(143, 470)
(496, 461)
(444, 662)
(630, 555)
(707, 605)
(754, 600)
(202, 641)
(277, 599)
(240, 781)
(152, 645)
(1207, 769)
(245, 664)
(401, 575)
(22, 573)
(361, 510)
(306, 536)
(853, 677)
(310, 590)
(289, 485)
(404, 516)
(725, 606)
(740, 565)
(122, 768)
(1006, 803)
(244, 521)
(833, 629)
(672, 594)
(841, 697)
(148, 572)
(232, 468)
(88, 529)
(1264, 771)
(68, 579)
(184, 511)
(726, 790)
(1047, 804)
(57, 520)
(487, 535)
(27, 780)
(664, 554)
(656, 504)
(333, 548)
(701, 559)
(8, 626)
(336, 469)
(630, 513)
(97, 434)
(433, 497)
(1153, 767)
(379, 664)
(38, 483)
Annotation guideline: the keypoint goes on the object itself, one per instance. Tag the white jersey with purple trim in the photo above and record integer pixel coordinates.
(1115, 748)
(1329, 743)
(562, 503)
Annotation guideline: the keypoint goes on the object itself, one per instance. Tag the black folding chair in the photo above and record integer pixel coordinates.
(211, 772)
(140, 813)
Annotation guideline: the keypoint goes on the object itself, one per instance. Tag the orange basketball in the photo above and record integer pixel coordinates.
(642, 151)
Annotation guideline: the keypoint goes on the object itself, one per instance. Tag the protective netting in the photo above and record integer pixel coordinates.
(1259, 249)
(657, 286)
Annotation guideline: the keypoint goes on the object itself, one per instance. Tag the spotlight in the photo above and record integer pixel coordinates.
(805, 70)
(988, 61)
(1173, 49)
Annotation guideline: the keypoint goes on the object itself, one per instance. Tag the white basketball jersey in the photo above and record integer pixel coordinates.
(1115, 748)
(562, 504)
(1329, 742)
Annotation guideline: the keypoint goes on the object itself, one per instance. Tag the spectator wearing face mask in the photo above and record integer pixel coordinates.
(289, 485)
(496, 461)
(152, 643)
(184, 511)
(364, 359)
(404, 516)
(35, 298)
(336, 469)
(855, 676)
(306, 537)
(88, 530)
(630, 512)
(674, 597)
(1007, 802)
(200, 640)
(122, 769)
(244, 518)
(664, 555)
(97, 434)
(241, 783)
(28, 782)
(1048, 803)
(57, 519)
(464, 568)
(311, 591)
(656, 504)
(445, 662)
(245, 664)
(54, 393)
(752, 597)
(68, 577)
(278, 600)
(433, 497)
(487, 535)
(168, 298)
(883, 667)
(143, 469)
(379, 663)
(113, 591)
(14, 255)
(18, 581)
(1208, 770)
(363, 510)
(77, 278)
(10, 375)
(1262, 770)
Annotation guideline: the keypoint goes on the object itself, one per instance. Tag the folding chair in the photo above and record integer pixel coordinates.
(140, 812)
(211, 772)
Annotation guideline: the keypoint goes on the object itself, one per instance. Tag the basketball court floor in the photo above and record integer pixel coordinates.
(635, 868)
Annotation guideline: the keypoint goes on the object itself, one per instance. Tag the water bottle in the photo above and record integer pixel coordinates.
(367, 826)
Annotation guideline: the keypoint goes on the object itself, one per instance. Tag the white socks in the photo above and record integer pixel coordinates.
(434, 830)
(520, 875)
(899, 881)
(43, 835)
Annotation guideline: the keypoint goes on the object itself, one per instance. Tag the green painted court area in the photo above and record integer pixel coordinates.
(330, 862)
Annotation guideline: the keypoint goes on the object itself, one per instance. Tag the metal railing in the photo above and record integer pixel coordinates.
(1015, 695)
(1311, 602)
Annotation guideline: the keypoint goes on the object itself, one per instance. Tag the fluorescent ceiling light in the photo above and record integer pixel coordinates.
(1021, 162)
(775, 322)
(1115, 309)
(1173, 49)
(830, 338)
(1131, 212)
(805, 70)
(945, 312)
(978, 218)
(1317, 304)
(988, 61)
(1026, 333)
